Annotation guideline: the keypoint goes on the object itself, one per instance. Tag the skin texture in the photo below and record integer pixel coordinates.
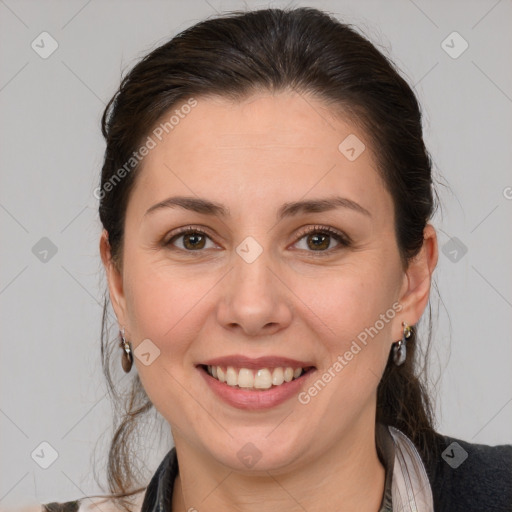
(294, 300)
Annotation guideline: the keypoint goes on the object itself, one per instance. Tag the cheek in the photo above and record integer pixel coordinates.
(349, 299)
(164, 306)
(165, 303)
(354, 310)
(347, 319)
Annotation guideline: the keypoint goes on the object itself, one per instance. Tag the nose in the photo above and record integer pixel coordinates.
(255, 300)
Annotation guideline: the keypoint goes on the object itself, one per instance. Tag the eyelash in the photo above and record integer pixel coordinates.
(340, 237)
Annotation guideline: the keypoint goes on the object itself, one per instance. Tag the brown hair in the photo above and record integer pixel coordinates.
(311, 52)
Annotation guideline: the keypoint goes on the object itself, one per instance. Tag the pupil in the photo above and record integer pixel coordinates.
(191, 241)
(317, 238)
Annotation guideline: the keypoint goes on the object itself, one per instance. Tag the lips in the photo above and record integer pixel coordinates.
(257, 383)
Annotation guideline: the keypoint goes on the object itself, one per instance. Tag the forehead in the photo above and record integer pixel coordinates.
(267, 147)
(266, 121)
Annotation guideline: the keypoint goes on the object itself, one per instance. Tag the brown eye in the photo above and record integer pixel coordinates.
(194, 241)
(319, 239)
(189, 240)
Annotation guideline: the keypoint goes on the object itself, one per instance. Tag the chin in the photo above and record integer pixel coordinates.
(257, 452)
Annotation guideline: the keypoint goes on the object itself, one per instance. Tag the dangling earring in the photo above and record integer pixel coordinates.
(399, 347)
(127, 358)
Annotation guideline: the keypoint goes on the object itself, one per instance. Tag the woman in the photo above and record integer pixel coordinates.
(265, 199)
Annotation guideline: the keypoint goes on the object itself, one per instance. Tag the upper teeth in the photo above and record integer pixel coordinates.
(259, 379)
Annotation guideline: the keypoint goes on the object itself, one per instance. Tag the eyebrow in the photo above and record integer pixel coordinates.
(206, 207)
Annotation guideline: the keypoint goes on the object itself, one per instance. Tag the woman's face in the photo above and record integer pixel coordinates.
(259, 283)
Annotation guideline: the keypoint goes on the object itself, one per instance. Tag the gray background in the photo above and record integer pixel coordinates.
(51, 384)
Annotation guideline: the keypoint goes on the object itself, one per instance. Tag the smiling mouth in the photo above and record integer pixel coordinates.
(255, 380)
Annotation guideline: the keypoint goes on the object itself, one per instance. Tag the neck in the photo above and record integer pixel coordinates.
(347, 477)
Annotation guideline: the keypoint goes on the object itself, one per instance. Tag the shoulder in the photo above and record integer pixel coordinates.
(90, 504)
(25, 508)
(469, 477)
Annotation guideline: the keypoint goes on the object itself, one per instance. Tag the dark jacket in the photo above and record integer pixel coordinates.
(482, 481)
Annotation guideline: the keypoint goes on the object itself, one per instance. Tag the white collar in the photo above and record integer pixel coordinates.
(411, 489)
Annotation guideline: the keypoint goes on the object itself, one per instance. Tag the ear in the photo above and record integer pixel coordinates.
(415, 290)
(114, 278)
